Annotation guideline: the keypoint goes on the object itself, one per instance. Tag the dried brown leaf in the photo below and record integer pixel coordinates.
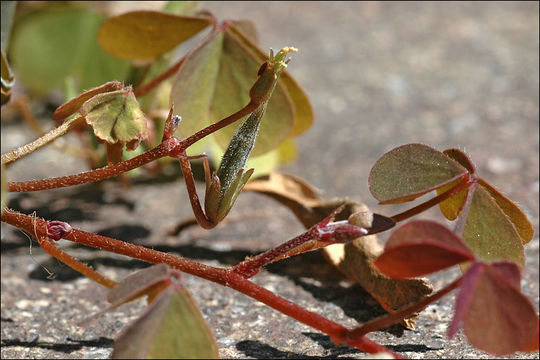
(355, 260)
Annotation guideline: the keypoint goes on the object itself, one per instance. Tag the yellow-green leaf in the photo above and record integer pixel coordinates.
(145, 35)
(171, 328)
(489, 233)
(55, 42)
(514, 213)
(183, 7)
(410, 171)
(115, 116)
(452, 207)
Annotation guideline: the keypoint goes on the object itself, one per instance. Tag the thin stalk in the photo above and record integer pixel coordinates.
(465, 183)
(40, 142)
(159, 151)
(350, 335)
(246, 110)
(73, 263)
(250, 267)
(221, 276)
(144, 89)
(321, 234)
(200, 216)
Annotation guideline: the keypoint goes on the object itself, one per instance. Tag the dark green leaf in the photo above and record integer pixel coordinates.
(411, 170)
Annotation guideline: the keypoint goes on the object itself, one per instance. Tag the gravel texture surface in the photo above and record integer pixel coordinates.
(379, 75)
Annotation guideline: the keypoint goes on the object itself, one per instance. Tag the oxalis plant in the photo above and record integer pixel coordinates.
(229, 98)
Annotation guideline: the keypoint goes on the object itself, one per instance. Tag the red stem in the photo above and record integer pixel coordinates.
(350, 335)
(465, 183)
(221, 276)
(144, 89)
(47, 245)
(95, 175)
(201, 217)
(246, 110)
(250, 267)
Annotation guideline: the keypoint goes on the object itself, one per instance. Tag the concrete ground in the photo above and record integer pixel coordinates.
(379, 75)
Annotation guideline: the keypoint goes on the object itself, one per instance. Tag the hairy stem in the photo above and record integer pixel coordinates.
(221, 276)
(465, 183)
(159, 151)
(73, 263)
(40, 142)
(321, 234)
(246, 110)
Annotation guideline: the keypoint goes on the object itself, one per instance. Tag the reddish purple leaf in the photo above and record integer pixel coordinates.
(465, 297)
(509, 271)
(461, 158)
(419, 248)
(497, 318)
(75, 104)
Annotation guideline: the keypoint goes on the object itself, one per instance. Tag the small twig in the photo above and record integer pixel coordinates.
(465, 183)
(40, 142)
(324, 232)
(73, 263)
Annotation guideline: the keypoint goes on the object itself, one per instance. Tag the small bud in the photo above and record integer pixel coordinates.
(171, 124)
(362, 218)
(56, 230)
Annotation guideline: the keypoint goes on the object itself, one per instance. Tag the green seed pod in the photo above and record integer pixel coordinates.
(231, 172)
